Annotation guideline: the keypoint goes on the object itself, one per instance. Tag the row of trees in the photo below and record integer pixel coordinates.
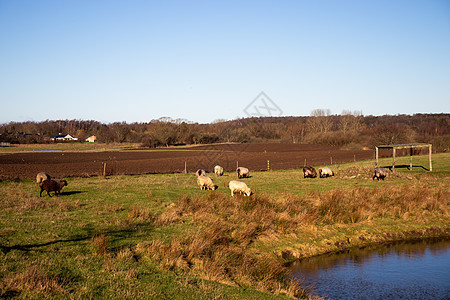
(351, 129)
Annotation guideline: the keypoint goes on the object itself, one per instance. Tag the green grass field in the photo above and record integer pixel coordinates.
(160, 236)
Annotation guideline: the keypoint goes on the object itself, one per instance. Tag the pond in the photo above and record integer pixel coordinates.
(406, 270)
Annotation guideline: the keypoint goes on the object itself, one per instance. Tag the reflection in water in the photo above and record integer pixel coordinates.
(419, 270)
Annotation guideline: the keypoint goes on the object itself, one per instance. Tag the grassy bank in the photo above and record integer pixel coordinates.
(159, 236)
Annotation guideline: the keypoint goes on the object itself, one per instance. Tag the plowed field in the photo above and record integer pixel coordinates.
(60, 164)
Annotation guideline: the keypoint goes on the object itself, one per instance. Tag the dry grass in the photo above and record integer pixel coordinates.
(341, 206)
(170, 216)
(140, 214)
(16, 198)
(213, 254)
(221, 250)
(100, 244)
(34, 279)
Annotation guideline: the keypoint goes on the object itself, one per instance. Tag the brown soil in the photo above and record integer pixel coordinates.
(60, 164)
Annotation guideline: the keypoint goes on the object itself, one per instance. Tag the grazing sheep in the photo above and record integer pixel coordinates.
(200, 172)
(218, 170)
(41, 176)
(52, 186)
(325, 172)
(242, 172)
(205, 182)
(379, 173)
(239, 187)
(309, 172)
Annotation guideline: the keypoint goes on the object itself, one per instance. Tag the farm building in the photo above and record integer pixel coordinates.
(63, 138)
(91, 139)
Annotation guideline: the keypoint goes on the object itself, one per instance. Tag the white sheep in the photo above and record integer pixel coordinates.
(200, 172)
(205, 182)
(218, 170)
(41, 176)
(325, 172)
(239, 187)
(242, 172)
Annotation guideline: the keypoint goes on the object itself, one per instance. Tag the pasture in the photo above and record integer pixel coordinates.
(160, 236)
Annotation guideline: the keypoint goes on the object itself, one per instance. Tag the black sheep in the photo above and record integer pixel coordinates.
(52, 186)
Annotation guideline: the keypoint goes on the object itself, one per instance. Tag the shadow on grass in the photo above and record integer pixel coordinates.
(61, 194)
(72, 193)
(90, 232)
(406, 167)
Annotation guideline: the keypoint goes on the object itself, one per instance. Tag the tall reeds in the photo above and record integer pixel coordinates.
(223, 249)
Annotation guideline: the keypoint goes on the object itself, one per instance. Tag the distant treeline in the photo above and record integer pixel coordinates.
(350, 129)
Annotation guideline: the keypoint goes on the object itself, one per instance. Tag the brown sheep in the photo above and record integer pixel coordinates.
(52, 186)
(309, 172)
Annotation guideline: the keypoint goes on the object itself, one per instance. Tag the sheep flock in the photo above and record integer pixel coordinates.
(45, 182)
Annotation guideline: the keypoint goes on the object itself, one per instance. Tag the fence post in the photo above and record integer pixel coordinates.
(429, 158)
(410, 158)
(393, 159)
(376, 156)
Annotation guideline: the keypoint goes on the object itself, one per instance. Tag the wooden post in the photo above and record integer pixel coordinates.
(393, 159)
(376, 156)
(237, 164)
(268, 165)
(410, 158)
(104, 169)
(354, 157)
(429, 157)
(331, 159)
(185, 167)
(304, 165)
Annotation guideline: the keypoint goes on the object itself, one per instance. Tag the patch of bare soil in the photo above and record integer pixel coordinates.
(60, 164)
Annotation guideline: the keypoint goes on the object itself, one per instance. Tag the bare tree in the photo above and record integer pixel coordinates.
(321, 120)
(345, 120)
(296, 132)
(350, 120)
(357, 119)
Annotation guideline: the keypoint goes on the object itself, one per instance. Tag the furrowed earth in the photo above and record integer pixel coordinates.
(60, 164)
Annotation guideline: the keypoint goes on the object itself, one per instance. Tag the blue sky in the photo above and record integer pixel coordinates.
(135, 61)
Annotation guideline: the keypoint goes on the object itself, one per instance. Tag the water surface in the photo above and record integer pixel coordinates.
(419, 270)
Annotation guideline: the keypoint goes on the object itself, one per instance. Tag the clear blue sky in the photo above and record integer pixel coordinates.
(135, 61)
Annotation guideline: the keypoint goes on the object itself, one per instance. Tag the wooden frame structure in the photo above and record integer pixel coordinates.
(404, 146)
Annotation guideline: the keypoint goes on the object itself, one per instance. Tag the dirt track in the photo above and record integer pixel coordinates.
(60, 164)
